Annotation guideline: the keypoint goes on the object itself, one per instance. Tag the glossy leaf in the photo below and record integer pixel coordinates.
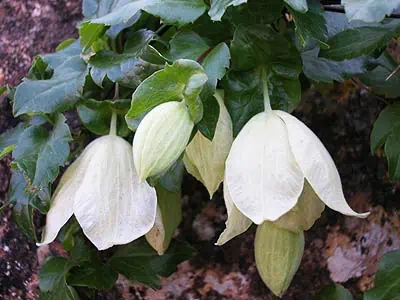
(89, 33)
(218, 7)
(186, 44)
(369, 11)
(299, 5)
(9, 139)
(40, 153)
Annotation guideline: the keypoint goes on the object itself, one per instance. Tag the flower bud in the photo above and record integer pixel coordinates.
(278, 253)
(205, 159)
(161, 138)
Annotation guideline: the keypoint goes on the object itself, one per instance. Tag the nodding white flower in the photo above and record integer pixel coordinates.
(205, 159)
(102, 189)
(161, 138)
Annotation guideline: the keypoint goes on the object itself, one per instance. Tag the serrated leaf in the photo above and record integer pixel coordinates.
(311, 25)
(186, 44)
(89, 33)
(139, 262)
(360, 41)
(59, 92)
(175, 12)
(52, 280)
(183, 80)
(10, 139)
(215, 65)
(218, 7)
(96, 116)
(299, 5)
(40, 153)
(369, 11)
(22, 212)
(334, 292)
(387, 282)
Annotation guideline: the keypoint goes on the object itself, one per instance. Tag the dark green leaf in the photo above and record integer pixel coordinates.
(186, 44)
(360, 41)
(311, 25)
(172, 179)
(183, 80)
(96, 116)
(334, 292)
(208, 123)
(139, 262)
(89, 33)
(9, 139)
(175, 12)
(387, 130)
(39, 70)
(378, 77)
(22, 212)
(93, 274)
(299, 5)
(58, 93)
(387, 280)
(218, 7)
(52, 276)
(212, 32)
(40, 153)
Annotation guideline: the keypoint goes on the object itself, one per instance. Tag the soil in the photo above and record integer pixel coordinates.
(338, 248)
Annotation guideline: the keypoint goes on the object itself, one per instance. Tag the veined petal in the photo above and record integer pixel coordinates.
(236, 224)
(261, 172)
(205, 159)
(161, 138)
(112, 206)
(63, 198)
(317, 165)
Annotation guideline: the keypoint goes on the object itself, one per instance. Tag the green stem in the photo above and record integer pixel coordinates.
(113, 125)
(267, 100)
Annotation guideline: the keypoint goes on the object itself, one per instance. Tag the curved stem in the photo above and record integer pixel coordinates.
(113, 125)
(267, 101)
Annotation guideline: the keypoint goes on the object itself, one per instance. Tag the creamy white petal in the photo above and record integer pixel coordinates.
(205, 159)
(317, 165)
(161, 138)
(62, 204)
(261, 173)
(112, 206)
(236, 224)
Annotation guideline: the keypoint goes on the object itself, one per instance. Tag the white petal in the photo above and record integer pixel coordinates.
(63, 198)
(112, 206)
(317, 165)
(161, 138)
(261, 172)
(205, 159)
(236, 224)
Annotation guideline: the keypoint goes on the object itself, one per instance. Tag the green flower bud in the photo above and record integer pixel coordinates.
(278, 253)
(161, 138)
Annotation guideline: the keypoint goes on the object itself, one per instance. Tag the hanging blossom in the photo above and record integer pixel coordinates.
(102, 189)
(272, 160)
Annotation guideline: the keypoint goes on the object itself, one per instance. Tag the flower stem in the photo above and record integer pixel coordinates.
(267, 101)
(113, 125)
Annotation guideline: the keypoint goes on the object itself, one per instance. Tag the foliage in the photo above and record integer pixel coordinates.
(133, 56)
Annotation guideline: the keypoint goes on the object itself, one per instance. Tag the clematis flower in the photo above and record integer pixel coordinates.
(102, 189)
(161, 138)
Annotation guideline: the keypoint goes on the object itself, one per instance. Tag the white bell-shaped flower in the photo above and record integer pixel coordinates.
(102, 189)
(268, 163)
(161, 138)
(205, 159)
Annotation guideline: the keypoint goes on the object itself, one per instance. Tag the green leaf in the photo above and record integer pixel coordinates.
(218, 7)
(215, 65)
(378, 77)
(53, 283)
(299, 5)
(334, 292)
(387, 130)
(9, 139)
(174, 12)
(39, 70)
(96, 116)
(172, 179)
(369, 11)
(3, 89)
(311, 25)
(186, 44)
(359, 41)
(22, 213)
(139, 262)
(387, 280)
(183, 80)
(58, 93)
(89, 33)
(40, 153)
(64, 44)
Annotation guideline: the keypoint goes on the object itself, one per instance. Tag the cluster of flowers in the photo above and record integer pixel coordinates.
(276, 173)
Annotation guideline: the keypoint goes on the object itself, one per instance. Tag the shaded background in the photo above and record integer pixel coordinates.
(338, 248)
